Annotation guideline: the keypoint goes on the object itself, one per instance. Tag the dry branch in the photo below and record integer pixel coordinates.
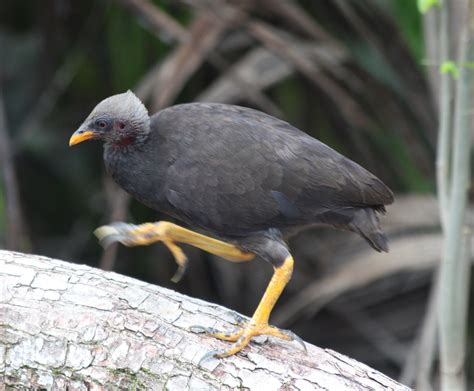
(65, 325)
(186, 59)
(300, 19)
(260, 69)
(284, 47)
(156, 20)
(160, 23)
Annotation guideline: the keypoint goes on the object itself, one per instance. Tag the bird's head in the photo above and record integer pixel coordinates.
(120, 119)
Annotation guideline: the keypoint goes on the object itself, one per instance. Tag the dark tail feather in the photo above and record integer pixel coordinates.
(367, 224)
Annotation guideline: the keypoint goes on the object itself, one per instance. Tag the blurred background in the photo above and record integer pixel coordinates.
(355, 74)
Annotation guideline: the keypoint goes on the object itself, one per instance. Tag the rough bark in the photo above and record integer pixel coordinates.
(69, 326)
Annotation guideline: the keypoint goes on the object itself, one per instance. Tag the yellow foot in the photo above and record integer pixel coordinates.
(223, 336)
(242, 337)
(143, 235)
(169, 234)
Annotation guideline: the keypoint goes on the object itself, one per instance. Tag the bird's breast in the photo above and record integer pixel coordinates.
(138, 174)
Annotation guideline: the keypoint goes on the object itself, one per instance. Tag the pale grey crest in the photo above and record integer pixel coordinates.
(125, 106)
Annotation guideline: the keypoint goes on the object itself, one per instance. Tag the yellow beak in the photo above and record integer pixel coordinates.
(79, 136)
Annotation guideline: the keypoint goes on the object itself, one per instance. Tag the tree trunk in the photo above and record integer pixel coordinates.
(68, 326)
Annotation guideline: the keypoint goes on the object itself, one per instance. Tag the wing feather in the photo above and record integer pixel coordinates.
(237, 169)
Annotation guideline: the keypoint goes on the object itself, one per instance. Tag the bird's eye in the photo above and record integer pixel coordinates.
(101, 124)
(121, 125)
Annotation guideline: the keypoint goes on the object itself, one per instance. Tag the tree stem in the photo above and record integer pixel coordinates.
(455, 265)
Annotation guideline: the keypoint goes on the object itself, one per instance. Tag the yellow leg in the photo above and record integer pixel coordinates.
(169, 234)
(258, 325)
(280, 278)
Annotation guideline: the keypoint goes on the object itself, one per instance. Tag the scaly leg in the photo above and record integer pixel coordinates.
(169, 234)
(258, 325)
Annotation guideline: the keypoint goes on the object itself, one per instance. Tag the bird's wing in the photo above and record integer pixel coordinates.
(237, 169)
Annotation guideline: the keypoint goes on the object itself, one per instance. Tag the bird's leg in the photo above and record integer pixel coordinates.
(169, 234)
(258, 324)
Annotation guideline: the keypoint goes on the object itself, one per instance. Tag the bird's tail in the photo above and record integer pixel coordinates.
(366, 223)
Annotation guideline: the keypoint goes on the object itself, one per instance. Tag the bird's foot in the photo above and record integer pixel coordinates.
(212, 332)
(242, 337)
(142, 235)
(130, 234)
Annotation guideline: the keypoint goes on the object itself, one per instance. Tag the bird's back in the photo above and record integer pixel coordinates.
(234, 170)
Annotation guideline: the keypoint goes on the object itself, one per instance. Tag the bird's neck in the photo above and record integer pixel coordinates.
(135, 169)
(121, 161)
(127, 144)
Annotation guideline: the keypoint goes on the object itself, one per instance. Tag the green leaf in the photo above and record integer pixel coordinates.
(409, 24)
(425, 5)
(450, 67)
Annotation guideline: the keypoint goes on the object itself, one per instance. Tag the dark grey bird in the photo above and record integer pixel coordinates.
(246, 178)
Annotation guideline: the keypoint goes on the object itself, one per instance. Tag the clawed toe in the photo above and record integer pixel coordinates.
(212, 332)
(200, 329)
(239, 320)
(293, 337)
(242, 337)
(178, 275)
(211, 354)
(299, 341)
(114, 232)
(107, 234)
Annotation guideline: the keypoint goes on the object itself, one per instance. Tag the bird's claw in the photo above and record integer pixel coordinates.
(108, 234)
(239, 320)
(212, 332)
(211, 354)
(178, 275)
(114, 232)
(200, 329)
(296, 338)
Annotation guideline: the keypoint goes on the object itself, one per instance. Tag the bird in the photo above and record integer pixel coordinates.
(245, 180)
